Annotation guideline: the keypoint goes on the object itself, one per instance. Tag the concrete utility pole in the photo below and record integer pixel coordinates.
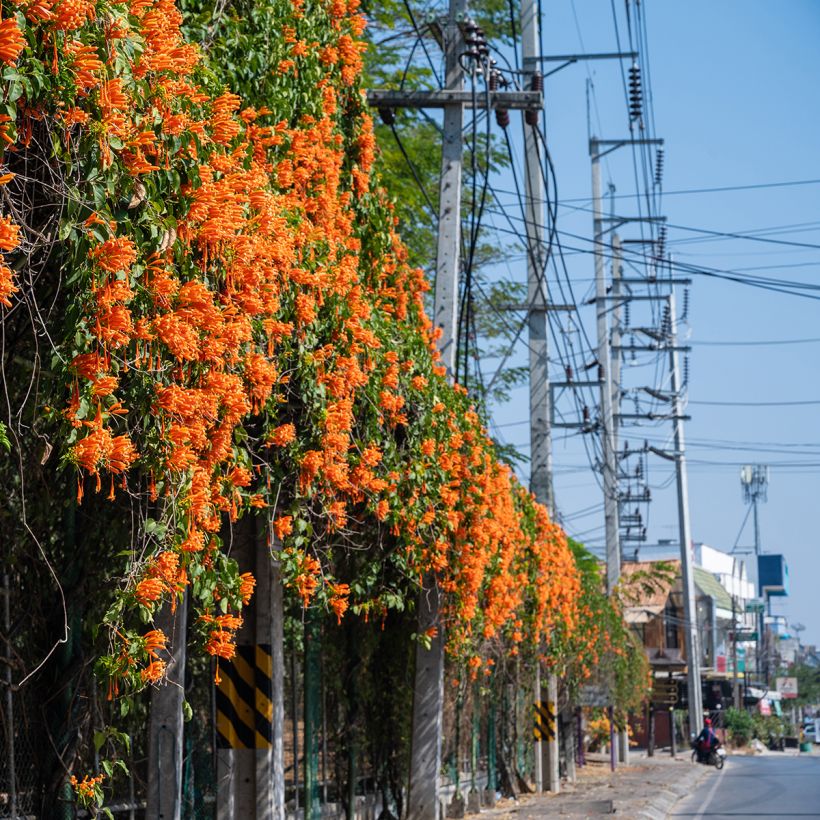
(610, 455)
(689, 606)
(428, 693)
(754, 479)
(165, 730)
(615, 393)
(249, 760)
(538, 325)
(615, 341)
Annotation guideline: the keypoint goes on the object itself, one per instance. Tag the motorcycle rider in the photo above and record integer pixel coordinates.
(706, 741)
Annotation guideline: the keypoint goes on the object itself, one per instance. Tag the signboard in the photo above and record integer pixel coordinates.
(786, 686)
(745, 636)
(741, 659)
(594, 696)
(664, 692)
(720, 663)
(755, 606)
(772, 575)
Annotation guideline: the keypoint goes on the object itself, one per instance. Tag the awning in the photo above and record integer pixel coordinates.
(709, 585)
(641, 614)
(665, 658)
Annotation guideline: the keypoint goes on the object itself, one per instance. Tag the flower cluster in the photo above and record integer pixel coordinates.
(250, 339)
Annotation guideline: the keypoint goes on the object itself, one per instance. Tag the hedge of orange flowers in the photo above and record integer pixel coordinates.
(245, 336)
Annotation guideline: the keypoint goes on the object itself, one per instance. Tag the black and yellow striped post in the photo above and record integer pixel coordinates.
(248, 700)
(543, 720)
(244, 709)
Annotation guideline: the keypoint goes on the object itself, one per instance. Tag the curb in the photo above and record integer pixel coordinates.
(667, 797)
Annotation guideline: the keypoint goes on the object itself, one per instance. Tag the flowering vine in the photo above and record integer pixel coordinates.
(245, 336)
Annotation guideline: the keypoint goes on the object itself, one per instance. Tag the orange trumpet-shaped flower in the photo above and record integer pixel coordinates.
(247, 584)
(12, 41)
(9, 232)
(153, 672)
(149, 590)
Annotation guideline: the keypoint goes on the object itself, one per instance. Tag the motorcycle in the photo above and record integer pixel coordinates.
(715, 757)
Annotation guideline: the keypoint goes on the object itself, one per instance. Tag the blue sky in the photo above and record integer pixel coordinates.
(734, 94)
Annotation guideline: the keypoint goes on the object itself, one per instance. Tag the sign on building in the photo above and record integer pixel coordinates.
(786, 686)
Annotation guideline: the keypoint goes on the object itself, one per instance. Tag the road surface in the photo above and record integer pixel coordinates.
(770, 787)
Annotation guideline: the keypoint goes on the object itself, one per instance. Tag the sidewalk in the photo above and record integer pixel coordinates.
(646, 789)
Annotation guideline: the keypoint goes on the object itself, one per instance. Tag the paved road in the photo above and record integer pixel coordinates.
(768, 787)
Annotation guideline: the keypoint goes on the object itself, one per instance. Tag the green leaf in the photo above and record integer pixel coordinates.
(187, 711)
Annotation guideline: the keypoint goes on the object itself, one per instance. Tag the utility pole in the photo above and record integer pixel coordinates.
(615, 352)
(754, 479)
(735, 681)
(165, 730)
(249, 745)
(689, 606)
(610, 466)
(428, 693)
(538, 326)
(614, 362)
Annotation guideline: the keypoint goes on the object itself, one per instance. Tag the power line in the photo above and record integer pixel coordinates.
(757, 403)
(754, 342)
(716, 190)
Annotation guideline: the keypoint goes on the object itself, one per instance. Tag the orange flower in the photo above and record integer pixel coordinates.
(282, 435)
(246, 586)
(12, 41)
(149, 590)
(115, 255)
(9, 232)
(282, 526)
(339, 600)
(7, 286)
(87, 787)
(153, 672)
(154, 641)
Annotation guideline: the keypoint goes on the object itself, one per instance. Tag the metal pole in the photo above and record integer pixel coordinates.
(735, 679)
(312, 688)
(580, 724)
(295, 724)
(474, 749)
(539, 770)
(553, 776)
(672, 746)
(428, 694)
(689, 607)
(759, 613)
(10, 762)
(324, 735)
(613, 754)
(492, 782)
(610, 474)
(278, 691)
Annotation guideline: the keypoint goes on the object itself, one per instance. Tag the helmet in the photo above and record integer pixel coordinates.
(707, 721)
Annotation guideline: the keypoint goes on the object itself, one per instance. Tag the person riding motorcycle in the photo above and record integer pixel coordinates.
(706, 741)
